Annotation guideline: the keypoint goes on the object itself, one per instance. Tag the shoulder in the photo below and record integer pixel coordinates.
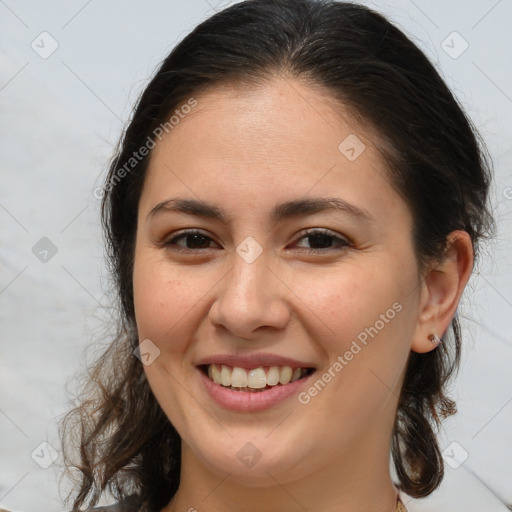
(130, 504)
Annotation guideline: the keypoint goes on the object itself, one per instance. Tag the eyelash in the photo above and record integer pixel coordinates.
(342, 242)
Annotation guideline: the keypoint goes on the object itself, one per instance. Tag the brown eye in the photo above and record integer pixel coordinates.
(321, 240)
(194, 240)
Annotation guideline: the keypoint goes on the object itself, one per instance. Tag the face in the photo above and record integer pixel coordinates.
(286, 250)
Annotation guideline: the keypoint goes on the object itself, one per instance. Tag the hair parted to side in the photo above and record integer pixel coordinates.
(437, 163)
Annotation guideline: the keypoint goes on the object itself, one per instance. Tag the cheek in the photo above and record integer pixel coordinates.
(162, 298)
(347, 299)
(365, 314)
(171, 302)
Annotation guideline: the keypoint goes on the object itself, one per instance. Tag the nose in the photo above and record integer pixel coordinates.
(251, 297)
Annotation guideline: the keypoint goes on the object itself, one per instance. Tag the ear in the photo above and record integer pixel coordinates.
(442, 288)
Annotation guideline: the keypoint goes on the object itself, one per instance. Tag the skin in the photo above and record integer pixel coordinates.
(246, 149)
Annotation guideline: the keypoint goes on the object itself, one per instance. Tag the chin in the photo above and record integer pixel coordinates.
(256, 464)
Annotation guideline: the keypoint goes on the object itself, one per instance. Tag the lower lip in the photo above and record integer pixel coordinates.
(247, 401)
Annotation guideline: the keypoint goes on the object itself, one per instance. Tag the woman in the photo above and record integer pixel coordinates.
(292, 216)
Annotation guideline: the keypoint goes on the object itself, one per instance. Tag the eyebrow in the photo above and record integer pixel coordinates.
(287, 210)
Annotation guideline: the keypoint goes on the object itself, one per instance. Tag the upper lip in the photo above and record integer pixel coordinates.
(253, 361)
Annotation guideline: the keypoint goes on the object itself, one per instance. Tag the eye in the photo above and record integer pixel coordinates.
(323, 239)
(194, 240)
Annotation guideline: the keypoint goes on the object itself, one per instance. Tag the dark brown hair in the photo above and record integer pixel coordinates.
(437, 163)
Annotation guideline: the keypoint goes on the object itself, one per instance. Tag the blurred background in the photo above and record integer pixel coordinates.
(70, 73)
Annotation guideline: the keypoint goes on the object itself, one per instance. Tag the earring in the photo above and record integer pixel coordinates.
(434, 339)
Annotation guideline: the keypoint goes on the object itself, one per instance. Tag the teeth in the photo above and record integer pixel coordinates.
(285, 375)
(215, 374)
(238, 378)
(297, 374)
(256, 378)
(225, 376)
(273, 376)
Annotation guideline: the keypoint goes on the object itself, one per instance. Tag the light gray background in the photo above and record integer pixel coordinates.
(60, 117)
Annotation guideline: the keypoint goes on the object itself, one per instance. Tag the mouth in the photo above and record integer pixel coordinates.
(254, 380)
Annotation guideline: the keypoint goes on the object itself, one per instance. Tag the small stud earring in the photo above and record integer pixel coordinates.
(434, 339)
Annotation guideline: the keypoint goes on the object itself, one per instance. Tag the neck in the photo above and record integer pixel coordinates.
(356, 480)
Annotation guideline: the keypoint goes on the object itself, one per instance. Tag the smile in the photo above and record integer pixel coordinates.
(256, 389)
(256, 379)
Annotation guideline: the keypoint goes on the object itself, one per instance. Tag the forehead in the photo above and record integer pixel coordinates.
(280, 119)
(274, 141)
